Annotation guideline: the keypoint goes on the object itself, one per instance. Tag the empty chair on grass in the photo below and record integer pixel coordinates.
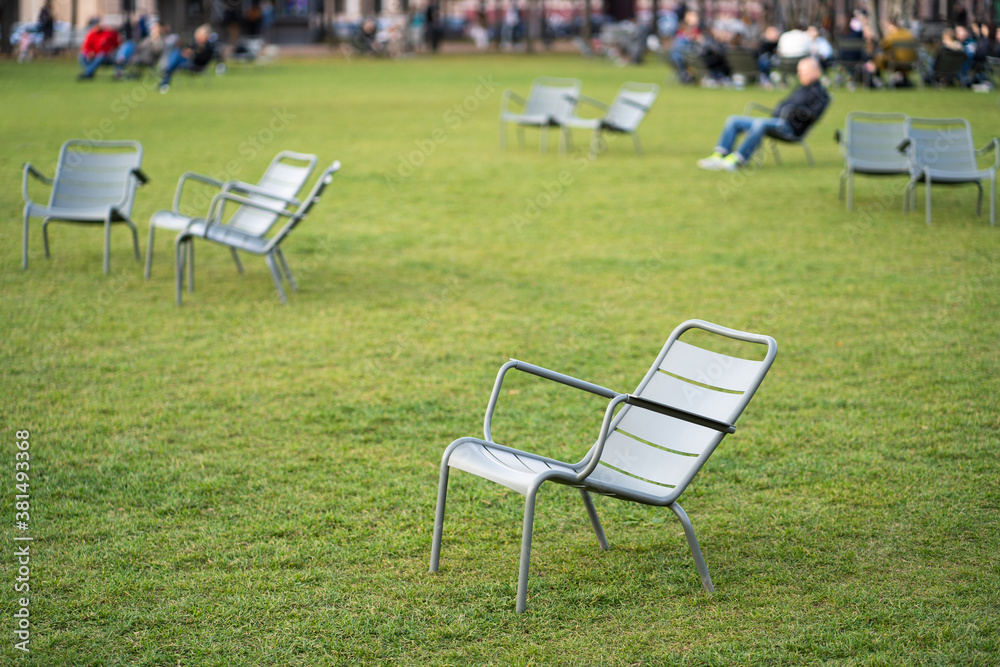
(549, 103)
(790, 121)
(940, 151)
(281, 183)
(95, 182)
(870, 145)
(221, 230)
(622, 116)
(651, 443)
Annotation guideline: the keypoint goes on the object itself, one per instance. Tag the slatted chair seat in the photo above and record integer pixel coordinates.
(245, 233)
(870, 145)
(623, 116)
(941, 150)
(549, 103)
(651, 444)
(279, 186)
(95, 182)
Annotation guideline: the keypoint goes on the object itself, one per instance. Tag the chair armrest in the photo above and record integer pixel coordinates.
(141, 176)
(544, 373)
(903, 146)
(216, 208)
(509, 95)
(994, 146)
(752, 107)
(587, 99)
(31, 171)
(240, 186)
(677, 413)
(838, 136)
(191, 176)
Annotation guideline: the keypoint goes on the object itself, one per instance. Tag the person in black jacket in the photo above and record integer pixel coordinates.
(791, 118)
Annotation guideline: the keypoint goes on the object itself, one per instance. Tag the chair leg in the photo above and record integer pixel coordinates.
(979, 201)
(190, 262)
(439, 517)
(45, 235)
(809, 155)
(135, 238)
(993, 199)
(520, 136)
(107, 245)
(179, 267)
(276, 274)
(543, 139)
(149, 251)
(699, 560)
(24, 243)
(636, 143)
(777, 155)
(595, 522)
(503, 136)
(927, 185)
(522, 574)
(288, 272)
(236, 258)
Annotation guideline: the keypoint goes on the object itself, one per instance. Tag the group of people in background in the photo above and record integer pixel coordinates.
(132, 49)
(703, 54)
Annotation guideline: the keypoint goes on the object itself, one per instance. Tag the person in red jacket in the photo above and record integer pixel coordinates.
(98, 49)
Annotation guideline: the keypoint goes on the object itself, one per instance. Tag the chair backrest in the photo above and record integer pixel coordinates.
(285, 177)
(97, 174)
(662, 454)
(742, 61)
(850, 50)
(949, 62)
(311, 199)
(631, 105)
(940, 144)
(554, 98)
(872, 141)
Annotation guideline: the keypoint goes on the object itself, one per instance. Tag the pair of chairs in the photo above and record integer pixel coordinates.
(928, 150)
(96, 181)
(651, 444)
(553, 102)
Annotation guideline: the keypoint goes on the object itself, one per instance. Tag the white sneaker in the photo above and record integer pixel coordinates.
(730, 163)
(712, 163)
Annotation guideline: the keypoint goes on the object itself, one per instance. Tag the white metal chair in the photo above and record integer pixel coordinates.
(623, 115)
(940, 150)
(95, 182)
(222, 231)
(870, 145)
(287, 174)
(549, 103)
(647, 453)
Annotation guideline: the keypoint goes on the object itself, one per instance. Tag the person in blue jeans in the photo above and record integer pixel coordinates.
(791, 118)
(195, 57)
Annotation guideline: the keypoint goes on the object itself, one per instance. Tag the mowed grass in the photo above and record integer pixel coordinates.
(237, 482)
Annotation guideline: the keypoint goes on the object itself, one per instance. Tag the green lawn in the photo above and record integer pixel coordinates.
(237, 482)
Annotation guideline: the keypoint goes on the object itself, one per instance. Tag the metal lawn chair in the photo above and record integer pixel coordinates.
(940, 150)
(549, 103)
(647, 453)
(753, 108)
(622, 116)
(870, 145)
(281, 183)
(95, 182)
(222, 231)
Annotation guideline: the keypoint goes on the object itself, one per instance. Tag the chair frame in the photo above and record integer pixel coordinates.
(107, 214)
(604, 123)
(921, 171)
(579, 474)
(542, 121)
(235, 186)
(754, 108)
(214, 230)
(854, 164)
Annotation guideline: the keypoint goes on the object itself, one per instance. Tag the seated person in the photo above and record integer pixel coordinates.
(820, 49)
(146, 53)
(194, 58)
(904, 58)
(98, 49)
(713, 55)
(767, 53)
(790, 119)
(686, 43)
